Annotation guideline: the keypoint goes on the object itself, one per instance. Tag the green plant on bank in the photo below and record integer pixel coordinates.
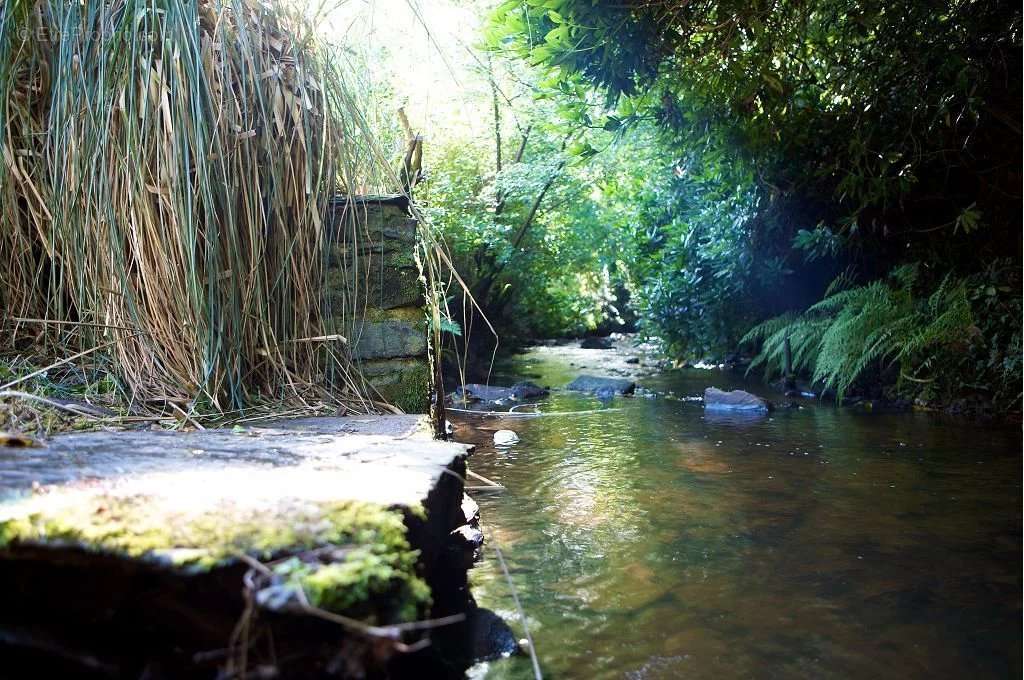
(930, 337)
(993, 366)
(48, 388)
(692, 261)
(804, 95)
(800, 139)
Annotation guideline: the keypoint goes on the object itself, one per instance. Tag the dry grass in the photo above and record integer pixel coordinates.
(167, 167)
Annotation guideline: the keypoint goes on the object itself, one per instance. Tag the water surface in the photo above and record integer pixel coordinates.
(648, 540)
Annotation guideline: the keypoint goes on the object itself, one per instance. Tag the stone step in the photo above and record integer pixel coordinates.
(148, 551)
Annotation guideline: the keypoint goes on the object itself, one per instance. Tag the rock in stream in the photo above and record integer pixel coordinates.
(736, 401)
(602, 386)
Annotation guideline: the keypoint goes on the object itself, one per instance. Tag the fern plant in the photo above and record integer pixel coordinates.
(853, 328)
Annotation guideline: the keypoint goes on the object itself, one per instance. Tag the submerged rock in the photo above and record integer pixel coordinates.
(528, 390)
(474, 392)
(596, 343)
(594, 384)
(505, 438)
(736, 401)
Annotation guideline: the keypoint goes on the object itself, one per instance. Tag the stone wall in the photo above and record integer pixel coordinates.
(372, 276)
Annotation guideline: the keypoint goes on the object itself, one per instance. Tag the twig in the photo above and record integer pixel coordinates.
(474, 475)
(390, 632)
(522, 615)
(186, 416)
(505, 414)
(321, 338)
(84, 324)
(256, 565)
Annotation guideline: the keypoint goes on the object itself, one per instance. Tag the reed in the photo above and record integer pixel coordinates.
(167, 168)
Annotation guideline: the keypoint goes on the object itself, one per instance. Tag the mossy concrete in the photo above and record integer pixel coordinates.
(372, 251)
(135, 532)
(390, 334)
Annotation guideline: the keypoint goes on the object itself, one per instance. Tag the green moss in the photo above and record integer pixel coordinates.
(412, 315)
(374, 563)
(412, 392)
(402, 382)
(366, 576)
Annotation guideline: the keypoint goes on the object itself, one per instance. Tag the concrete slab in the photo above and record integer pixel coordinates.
(140, 540)
(386, 459)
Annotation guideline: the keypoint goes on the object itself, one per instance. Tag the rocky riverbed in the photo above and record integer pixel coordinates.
(649, 537)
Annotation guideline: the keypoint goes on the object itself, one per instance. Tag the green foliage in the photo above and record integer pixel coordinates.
(528, 236)
(782, 143)
(887, 323)
(993, 366)
(693, 264)
(817, 243)
(867, 103)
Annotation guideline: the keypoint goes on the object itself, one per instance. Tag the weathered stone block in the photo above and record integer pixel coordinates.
(390, 334)
(145, 542)
(402, 382)
(372, 274)
(372, 255)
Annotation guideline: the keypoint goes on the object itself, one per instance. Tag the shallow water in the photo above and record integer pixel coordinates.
(649, 541)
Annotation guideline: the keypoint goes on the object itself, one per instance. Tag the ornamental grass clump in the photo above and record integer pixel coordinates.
(167, 171)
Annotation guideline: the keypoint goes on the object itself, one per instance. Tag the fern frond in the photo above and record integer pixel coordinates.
(839, 338)
(906, 275)
(841, 283)
(768, 328)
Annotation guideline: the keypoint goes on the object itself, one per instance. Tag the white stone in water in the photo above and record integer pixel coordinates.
(505, 437)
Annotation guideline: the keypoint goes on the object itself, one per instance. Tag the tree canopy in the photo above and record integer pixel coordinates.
(880, 119)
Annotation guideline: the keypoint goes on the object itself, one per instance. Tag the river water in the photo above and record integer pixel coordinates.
(648, 540)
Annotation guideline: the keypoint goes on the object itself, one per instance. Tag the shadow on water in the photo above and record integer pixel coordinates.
(651, 541)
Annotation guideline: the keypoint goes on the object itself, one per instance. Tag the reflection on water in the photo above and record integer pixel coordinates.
(651, 542)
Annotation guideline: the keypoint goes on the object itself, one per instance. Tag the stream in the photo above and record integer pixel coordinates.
(646, 539)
